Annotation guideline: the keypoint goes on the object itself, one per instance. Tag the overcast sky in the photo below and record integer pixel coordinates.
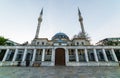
(18, 18)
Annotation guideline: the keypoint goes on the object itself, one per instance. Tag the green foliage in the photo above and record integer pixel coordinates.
(3, 40)
(82, 35)
(112, 43)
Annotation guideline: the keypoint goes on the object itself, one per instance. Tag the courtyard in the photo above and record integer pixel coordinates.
(60, 72)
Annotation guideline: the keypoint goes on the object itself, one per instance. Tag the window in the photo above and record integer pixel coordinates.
(29, 54)
(39, 51)
(37, 43)
(38, 55)
(48, 52)
(72, 55)
(81, 55)
(19, 55)
(10, 55)
(109, 55)
(100, 54)
(77, 43)
(82, 43)
(2, 53)
(42, 43)
(71, 52)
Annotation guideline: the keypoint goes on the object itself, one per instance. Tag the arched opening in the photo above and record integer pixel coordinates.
(60, 56)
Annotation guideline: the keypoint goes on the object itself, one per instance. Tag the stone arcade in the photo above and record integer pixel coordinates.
(60, 50)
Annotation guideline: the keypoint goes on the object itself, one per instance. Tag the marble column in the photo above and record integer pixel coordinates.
(76, 53)
(15, 55)
(24, 55)
(34, 54)
(113, 53)
(95, 55)
(104, 54)
(86, 55)
(53, 55)
(43, 55)
(5, 56)
(67, 56)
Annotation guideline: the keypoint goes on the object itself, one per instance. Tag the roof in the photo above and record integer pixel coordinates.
(60, 36)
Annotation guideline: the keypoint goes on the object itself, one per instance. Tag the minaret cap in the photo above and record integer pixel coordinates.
(79, 14)
(41, 14)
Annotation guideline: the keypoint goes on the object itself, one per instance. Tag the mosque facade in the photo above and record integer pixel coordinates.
(59, 51)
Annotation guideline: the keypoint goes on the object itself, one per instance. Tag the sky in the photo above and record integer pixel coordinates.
(19, 18)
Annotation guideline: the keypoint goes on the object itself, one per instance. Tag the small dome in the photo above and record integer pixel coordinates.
(60, 36)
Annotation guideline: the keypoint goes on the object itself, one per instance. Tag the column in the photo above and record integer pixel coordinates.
(53, 55)
(15, 54)
(67, 56)
(24, 55)
(105, 56)
(76, 53)
(34, 54)
(5, 56)
(43, 55)
(95, 55)
(86, 55)
(113, 52)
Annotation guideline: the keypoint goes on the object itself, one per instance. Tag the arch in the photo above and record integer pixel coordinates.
(60, 56)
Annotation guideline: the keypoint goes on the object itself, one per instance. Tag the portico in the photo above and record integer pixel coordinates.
(66, 55)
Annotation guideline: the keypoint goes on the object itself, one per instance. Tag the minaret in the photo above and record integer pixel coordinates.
(81, 23)
(39, 23)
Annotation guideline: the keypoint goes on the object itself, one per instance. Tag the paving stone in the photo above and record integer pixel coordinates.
(59, 72)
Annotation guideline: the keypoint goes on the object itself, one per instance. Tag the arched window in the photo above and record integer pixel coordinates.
(37, 43)
(82, 43)
(42, 43)
(77, 43)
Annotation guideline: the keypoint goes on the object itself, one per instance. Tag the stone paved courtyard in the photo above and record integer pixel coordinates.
(59, 72)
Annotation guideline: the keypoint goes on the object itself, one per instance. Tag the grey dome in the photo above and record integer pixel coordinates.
(60, 36)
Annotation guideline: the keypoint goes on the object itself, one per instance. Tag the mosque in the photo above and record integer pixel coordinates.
(59, 51)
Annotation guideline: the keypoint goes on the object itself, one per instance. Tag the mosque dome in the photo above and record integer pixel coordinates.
(60, 36)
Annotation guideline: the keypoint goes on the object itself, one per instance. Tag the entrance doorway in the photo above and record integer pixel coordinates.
(60, 56)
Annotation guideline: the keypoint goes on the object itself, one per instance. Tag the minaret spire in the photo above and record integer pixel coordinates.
(81, 23)
(39, 23)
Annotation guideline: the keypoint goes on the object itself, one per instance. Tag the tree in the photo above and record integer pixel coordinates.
(82, 35)
(3, 40)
